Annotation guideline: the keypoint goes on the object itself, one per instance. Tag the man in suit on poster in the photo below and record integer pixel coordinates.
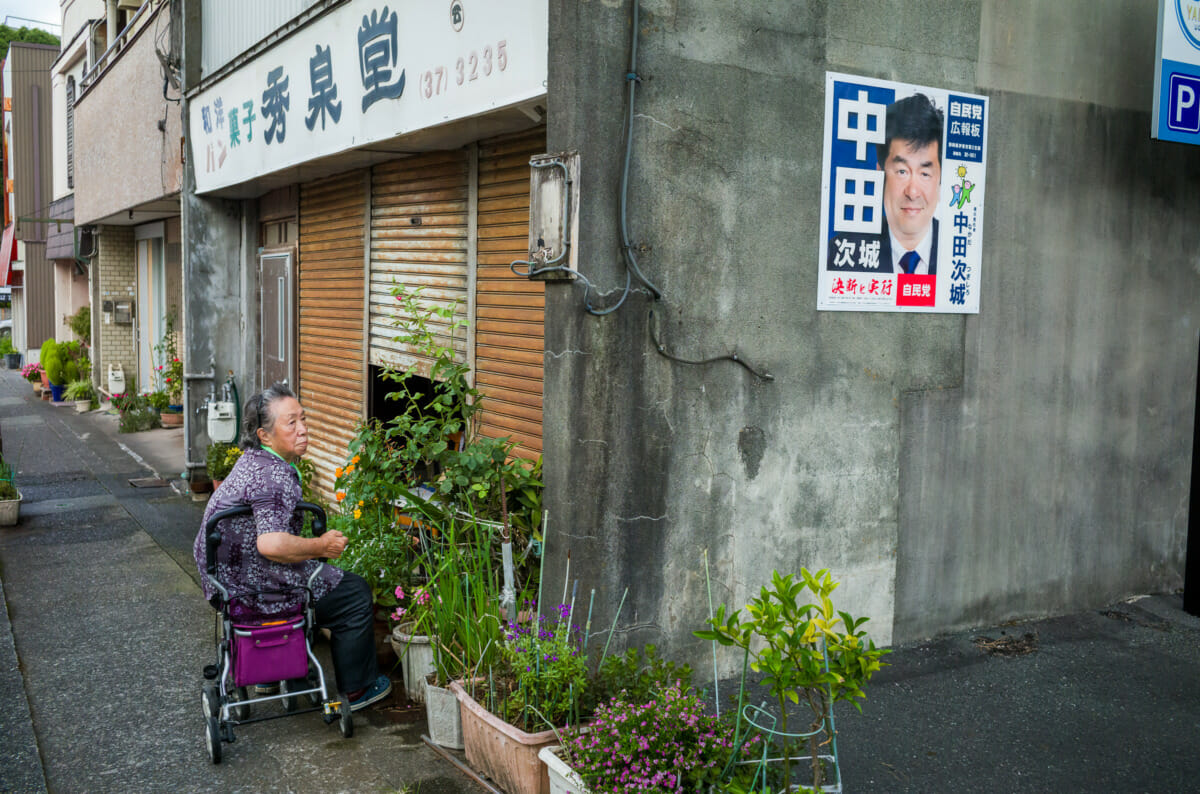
(911, 160)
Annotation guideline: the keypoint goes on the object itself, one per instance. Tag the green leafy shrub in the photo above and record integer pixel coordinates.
(158, 400)
(806, 652)
(639, 675)
(79, 390)
(51, 358)
(136, 420)
(220, 458)
(81, 324)
(136, 413)
(170, 367)
(70, 372)
(6, 345)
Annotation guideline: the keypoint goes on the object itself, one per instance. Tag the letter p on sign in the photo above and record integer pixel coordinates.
(1184, 103)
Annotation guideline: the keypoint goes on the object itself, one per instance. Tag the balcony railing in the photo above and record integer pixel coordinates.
(116, 47)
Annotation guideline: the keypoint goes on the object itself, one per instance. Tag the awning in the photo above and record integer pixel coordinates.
(8, 252)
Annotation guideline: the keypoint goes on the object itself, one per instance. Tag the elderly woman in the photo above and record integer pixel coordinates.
(267, 552)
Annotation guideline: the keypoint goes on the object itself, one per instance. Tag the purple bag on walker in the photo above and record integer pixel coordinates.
(269, 651)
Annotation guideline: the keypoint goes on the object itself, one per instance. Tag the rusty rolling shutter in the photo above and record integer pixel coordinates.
(508, 308)
(330, 274)
(418, 239)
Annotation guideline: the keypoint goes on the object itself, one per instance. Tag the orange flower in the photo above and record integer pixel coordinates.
(337, 472)
(354, 459)
(350, 468)
(340, 495)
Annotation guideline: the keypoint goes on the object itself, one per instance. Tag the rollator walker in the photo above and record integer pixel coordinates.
(261, 649)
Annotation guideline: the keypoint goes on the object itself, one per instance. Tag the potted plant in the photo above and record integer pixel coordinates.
(160, 401)
(81, 393)
(12, 359)
(458, 610)
(81, 324)
(666, 742)
(10, 497)
(170, 368)
(52, 363)
(219, 461)
(33, 373)
(510, 717)
(135, 412)
(806, 653)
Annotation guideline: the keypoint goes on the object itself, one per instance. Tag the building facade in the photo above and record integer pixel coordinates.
(24, 265)
(127, 149)
(950, 470)
(65, 247)
(327, 171)
(701, 419)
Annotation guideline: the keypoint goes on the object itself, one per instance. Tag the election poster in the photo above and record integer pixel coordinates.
(902, 197)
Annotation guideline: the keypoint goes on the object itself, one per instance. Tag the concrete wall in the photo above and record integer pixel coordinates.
(122, 158)
(949, 470)
(220, 289)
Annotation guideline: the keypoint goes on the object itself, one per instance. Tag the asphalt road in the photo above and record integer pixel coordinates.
(103, 634)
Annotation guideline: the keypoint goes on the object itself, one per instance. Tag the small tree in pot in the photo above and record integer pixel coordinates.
(805, 651)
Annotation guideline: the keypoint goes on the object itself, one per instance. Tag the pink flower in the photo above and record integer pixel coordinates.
(399, 591)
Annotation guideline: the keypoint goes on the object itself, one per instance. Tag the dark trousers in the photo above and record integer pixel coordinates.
(346, 611)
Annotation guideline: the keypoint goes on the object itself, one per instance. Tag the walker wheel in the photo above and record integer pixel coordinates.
(346, 725)
(212, 739)
(290, 704)
(210, 698)
(241, 712)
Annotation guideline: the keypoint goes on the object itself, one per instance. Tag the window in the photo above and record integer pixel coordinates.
(71, 131)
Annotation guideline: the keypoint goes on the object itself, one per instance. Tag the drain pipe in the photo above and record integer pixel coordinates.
(189, 378)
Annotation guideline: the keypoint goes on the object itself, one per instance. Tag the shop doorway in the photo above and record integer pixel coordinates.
(151, 301)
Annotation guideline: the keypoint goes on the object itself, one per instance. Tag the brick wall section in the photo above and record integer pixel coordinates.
(117, 273)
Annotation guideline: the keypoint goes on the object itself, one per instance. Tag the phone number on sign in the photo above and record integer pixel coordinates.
(475, 65)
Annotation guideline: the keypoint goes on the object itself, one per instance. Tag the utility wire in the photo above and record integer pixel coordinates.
(734, 357)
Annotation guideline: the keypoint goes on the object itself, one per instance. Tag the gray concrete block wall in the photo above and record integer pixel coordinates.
(116, 272)
(950, 470)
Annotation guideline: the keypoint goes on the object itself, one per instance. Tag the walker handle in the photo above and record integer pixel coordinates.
(212, 530)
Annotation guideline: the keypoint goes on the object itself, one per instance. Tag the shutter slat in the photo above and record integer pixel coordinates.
(330, 327)
(509, 309)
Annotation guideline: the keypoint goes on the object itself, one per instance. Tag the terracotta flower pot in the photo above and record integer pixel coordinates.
(503, 752)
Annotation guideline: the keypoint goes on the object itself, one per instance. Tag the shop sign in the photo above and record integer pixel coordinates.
(364, 73)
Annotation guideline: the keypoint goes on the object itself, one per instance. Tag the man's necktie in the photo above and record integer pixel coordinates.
(910, 261)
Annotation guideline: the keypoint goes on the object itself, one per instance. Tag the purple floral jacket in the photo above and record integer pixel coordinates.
(271, 487)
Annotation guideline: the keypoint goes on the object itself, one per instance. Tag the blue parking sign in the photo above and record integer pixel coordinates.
(1177, 106)
(1183, 103)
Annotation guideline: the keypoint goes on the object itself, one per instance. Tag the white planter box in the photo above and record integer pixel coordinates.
(444, 716)
(563, 779)
(10, 511)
